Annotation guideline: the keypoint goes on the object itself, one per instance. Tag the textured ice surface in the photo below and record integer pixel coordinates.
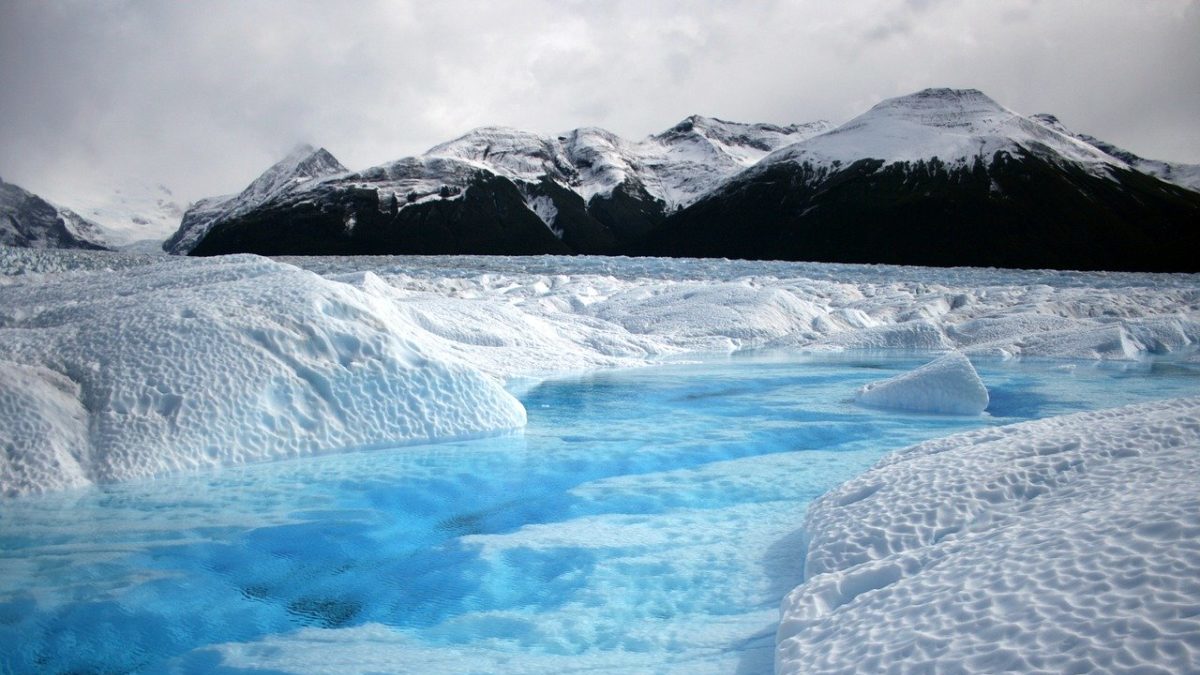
(241, 359)
(948, 385)
(1070, 544)
(164, 367)
(561, 314)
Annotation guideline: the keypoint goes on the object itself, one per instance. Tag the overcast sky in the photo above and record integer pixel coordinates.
(202, 96)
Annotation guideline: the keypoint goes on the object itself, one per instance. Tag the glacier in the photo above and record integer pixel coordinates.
(168, 364)
(963, 550)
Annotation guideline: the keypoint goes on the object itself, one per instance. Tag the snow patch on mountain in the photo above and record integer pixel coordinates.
(1183, 175)
(957, 126)
(695, 155)
(676, 166)
(546, 210)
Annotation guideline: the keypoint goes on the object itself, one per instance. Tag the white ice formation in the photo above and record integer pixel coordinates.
(170, 367)
(948, 385)
(166, 364)
(1070, 544)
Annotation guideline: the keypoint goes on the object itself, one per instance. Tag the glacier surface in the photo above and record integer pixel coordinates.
(1062, 544)
(1070, 544)
(167, 364)
(164, 368)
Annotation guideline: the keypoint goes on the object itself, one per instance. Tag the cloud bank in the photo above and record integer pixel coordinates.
(203, 96)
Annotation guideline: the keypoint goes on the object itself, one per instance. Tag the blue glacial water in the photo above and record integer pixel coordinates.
(645, 521)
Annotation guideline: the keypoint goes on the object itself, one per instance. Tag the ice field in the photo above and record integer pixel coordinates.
(532, 464)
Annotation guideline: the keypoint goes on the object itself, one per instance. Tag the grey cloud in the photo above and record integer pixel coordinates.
(203, 96)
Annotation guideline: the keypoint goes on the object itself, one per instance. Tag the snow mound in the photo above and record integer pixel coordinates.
(1070, 544)
(175, 366)
(948, 385)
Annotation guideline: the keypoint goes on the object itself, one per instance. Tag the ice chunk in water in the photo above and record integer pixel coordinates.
(948, 386)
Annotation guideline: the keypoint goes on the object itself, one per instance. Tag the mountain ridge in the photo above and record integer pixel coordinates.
(938, 177)
(589, 188)
(29, 221)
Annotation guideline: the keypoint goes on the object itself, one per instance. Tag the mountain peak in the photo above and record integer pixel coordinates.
(956, 126)
(942, 107)
(1051, 122)
(302, 164)
(298, 152)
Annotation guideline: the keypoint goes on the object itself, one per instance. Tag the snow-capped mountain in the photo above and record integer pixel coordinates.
(943, 177)
(694, 156)
(27, 220)
(957, 126)
(1183, 175)
(302, 166)
(675, 166)
(586, 190)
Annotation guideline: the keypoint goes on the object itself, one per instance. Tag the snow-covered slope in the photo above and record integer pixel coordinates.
(954, 125)
(675, 166)
(696, 155)
(27, 220)
(1070, 544)
(136, 215)
(1183, 175)
(303, 166)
